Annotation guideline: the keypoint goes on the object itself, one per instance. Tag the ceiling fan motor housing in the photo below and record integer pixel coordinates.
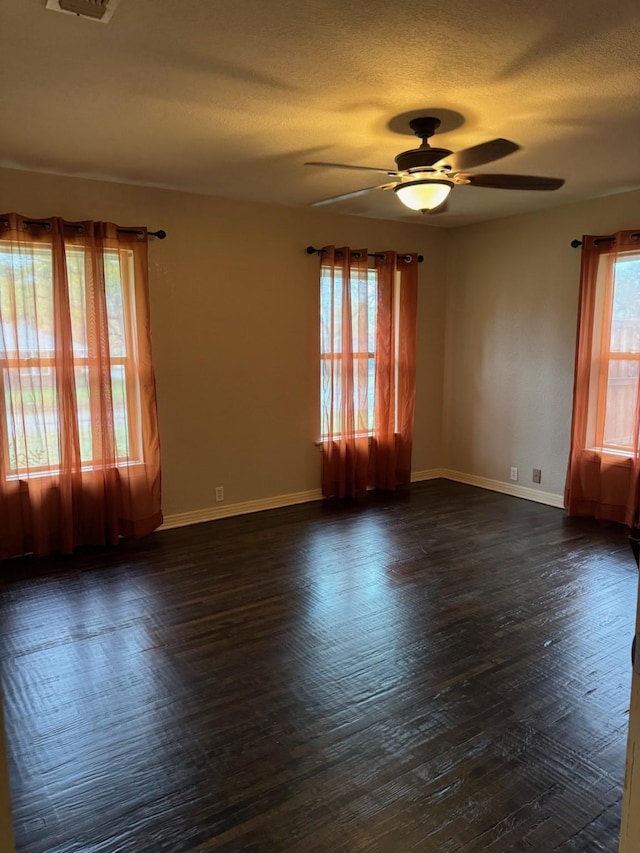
(420, 157)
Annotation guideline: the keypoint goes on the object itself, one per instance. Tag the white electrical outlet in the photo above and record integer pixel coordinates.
(514, 473)
(219, 493)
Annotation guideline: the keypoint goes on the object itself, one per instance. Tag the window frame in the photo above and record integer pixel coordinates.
(128, 361)
(370, 354)
(336, 358)
(602, 356)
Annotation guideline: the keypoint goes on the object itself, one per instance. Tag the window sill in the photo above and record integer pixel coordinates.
(322, 441)
(85, 469)
(618, 454)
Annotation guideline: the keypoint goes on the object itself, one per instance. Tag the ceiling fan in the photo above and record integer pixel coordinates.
(425, 176)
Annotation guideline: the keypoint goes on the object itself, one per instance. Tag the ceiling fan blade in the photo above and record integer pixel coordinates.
(349, 195)
(513, 182)
(478, 155)
(391, 172)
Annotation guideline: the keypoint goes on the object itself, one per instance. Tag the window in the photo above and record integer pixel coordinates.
(603, 476)
(615, 373)
(367, 368)
(29, 392)
(364, 306)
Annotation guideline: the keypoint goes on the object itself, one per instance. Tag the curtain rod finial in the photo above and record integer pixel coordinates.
(576, 243)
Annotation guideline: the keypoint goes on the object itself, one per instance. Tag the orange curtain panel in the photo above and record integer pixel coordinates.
(79, 444)
(368, 309)
(603, 479)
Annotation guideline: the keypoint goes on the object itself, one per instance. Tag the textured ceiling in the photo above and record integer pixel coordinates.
(230, 97)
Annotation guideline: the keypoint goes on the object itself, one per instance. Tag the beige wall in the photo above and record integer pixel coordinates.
(512, 294)
(234, 317)
(235, 329)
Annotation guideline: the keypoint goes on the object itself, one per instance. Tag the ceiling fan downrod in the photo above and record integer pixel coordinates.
(424, 127)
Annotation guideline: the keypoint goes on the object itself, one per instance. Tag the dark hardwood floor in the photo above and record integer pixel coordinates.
(444, 669)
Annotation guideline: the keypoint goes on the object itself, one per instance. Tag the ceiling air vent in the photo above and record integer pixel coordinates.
(95, 10)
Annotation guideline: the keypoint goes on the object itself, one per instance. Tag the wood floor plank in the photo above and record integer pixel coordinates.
(441, 669)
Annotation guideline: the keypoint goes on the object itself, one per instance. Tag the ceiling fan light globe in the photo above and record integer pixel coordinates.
(423, 195)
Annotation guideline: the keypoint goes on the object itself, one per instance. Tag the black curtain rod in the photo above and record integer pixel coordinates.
(159, 234)
(311, 250)
(609, 239)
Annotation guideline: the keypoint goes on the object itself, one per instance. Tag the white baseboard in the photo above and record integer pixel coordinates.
(516, 491)
(430, 474)
(197, 516)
